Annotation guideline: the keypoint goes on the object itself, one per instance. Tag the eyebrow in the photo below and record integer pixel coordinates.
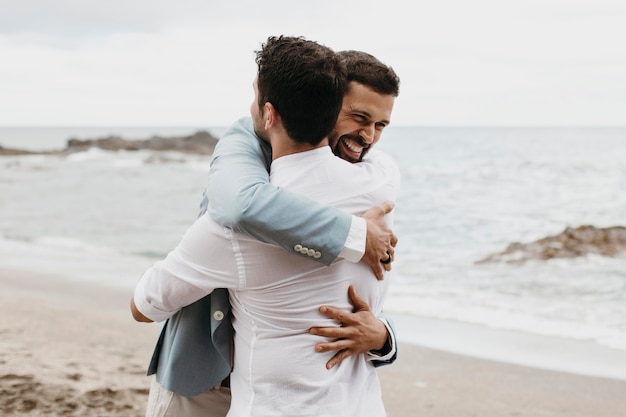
(367, 114)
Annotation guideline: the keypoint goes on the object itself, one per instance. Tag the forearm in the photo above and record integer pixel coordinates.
(294, 223)
(138, 315)
(188, 273)
(242, 198)
(159, 294)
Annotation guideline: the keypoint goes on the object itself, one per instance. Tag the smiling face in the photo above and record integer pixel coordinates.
(363, 116)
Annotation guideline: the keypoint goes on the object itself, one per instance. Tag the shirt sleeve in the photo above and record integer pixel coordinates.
(202, 261)
(240, 197)
(354, 248)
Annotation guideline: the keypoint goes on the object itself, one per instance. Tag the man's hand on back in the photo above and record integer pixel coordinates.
(380, 241)
(360, 332)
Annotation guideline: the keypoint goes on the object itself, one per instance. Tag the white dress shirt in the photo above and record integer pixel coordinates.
(275, 296)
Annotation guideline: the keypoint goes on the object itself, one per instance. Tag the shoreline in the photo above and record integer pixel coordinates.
(552, 353)
(93, 268)
(72, 349)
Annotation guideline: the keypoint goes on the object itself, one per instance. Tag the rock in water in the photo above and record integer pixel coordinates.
(570, 243)
(201, 143)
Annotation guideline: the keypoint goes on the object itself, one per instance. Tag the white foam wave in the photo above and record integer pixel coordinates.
(90, 154)
(73, 260)
(62, 242)
(123, 159)
(495, 312)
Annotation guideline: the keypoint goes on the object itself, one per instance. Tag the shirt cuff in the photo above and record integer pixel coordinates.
(354, 248)
(147, 309)
(384, 356)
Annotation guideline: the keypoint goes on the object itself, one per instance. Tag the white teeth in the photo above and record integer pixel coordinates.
(353, 146)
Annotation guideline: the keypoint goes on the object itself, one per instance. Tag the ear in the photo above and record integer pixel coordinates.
(272, 117)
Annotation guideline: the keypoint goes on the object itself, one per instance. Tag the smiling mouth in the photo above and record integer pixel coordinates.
(351, 148)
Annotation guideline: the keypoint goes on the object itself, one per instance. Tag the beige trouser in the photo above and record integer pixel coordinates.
(165, 403)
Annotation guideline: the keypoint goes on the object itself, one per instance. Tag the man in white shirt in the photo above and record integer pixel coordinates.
(275, 295)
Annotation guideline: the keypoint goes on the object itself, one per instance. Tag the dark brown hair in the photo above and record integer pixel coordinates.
(369, 71)
(305, 82)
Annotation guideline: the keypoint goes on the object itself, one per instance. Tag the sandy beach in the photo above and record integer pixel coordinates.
(72, 349)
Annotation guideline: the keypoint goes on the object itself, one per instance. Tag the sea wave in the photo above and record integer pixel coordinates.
(466, 193)
(115, 159)
(139, 158)
(73, 260)
(578, 298)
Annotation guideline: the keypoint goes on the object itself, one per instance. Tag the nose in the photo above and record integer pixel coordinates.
(367, 133)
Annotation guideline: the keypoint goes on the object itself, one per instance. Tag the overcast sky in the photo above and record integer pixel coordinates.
(191, 62)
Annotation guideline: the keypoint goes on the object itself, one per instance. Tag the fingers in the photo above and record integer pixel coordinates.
(387, 206)
(386, 264)
(378, 270)
(338, 333)
(341, 316)
(328, 346)
(380, 240)
(379, 210)
(358, 303)
(387, 259)
(342, 352)
(334, 313)
(394, 240)
(336, 360)
(360, 331)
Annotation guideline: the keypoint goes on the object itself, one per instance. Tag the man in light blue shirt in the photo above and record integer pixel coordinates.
(194, 350)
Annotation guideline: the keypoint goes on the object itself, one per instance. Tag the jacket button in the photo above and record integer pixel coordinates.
(317, 255)
(218, 315)
(311, 252)
(297, 248)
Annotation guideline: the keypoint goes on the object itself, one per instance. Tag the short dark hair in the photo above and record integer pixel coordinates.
(369, 71)
(305, 82)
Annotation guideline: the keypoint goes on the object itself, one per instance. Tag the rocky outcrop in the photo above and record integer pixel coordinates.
(570, 243)
(12, 152)
(202, 143)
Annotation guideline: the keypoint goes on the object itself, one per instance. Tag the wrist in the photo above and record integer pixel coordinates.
(384, 349)
(385, 340)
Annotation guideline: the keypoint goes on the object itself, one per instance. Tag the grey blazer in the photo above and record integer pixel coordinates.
(193, 352)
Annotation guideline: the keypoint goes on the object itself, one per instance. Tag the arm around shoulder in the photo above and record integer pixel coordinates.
(241, 198)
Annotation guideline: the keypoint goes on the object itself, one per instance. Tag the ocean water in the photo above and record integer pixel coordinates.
(466, 193)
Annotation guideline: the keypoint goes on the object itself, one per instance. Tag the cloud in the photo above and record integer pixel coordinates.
(191, 62)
